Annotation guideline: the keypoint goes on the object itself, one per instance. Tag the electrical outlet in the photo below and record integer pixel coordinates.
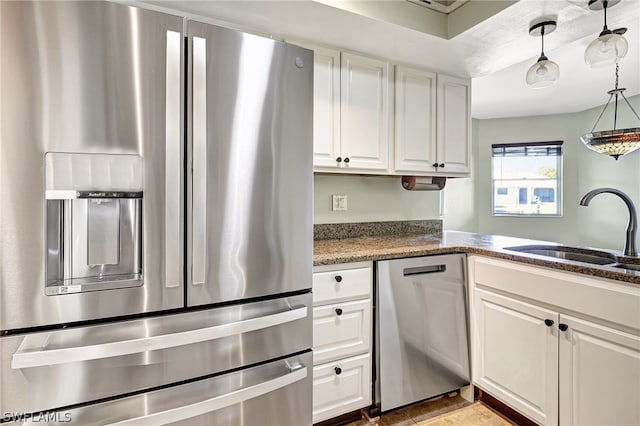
(339, 203)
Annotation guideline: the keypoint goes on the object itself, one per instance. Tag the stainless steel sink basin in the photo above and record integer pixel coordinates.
(593, 257)
(628, 266)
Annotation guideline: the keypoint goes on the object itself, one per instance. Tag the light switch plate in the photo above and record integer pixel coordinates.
(339, 203)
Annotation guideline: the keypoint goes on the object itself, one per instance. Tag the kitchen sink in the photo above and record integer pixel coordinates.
(576, 254)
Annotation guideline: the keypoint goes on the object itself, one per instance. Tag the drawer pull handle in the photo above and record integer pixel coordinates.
(338, 278)
(548, 322)
(563, 327)
(338, 370)
(338, 311)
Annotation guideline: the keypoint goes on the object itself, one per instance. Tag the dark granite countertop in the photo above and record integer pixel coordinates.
(382, 247)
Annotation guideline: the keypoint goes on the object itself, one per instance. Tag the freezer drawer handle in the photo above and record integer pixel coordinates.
(29, 359)
(215, 403)
(424, 270)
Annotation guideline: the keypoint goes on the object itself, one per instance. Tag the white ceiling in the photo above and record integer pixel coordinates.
(499, 52)
(496, 53)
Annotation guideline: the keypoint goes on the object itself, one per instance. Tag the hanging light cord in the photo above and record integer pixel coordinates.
(615, 93)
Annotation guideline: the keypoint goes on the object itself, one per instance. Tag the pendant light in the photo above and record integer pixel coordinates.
(610, 46)
(616, 142)
(544, 72)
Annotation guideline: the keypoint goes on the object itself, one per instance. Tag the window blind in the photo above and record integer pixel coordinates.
(527, 149)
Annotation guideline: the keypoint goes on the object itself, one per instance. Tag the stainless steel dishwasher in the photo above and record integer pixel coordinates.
(422, 339)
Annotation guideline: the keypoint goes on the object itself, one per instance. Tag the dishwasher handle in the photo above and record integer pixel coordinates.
(428, 269)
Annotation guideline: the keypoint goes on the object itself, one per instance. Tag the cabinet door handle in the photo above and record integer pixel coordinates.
(338, 370)
(441, 165)
(338, 311)
(435, 165)
(548, 322)
(338, 278)
(346, 159)
(339, 160)
(563, 327)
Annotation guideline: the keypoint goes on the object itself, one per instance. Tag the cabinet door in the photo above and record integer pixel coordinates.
(415, 121)
(364, 113)
(341, 386)
(599, 375)
(326, 107)
(341, 330)
(454, 125)
(515, 355)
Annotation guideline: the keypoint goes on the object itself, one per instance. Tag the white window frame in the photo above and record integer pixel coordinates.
(559, 179)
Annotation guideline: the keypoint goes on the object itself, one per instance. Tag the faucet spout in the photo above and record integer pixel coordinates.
(632, 226)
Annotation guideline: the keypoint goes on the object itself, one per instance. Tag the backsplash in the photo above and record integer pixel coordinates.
(330, 231)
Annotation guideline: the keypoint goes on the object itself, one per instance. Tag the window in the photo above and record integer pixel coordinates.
(527, 179)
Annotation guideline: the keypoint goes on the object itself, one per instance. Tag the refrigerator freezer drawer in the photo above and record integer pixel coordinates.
(276, 393)
(341, 386)
(341, 330)
(64, 367)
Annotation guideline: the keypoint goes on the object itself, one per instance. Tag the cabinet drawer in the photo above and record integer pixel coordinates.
(335, 394)
(341, 284)
(341, 330)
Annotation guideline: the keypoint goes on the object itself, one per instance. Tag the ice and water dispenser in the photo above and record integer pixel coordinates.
(94, 222)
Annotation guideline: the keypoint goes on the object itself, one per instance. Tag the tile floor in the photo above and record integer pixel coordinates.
(443, 411)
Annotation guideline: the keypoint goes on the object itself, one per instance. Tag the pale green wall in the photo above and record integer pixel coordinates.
(370, 199)
(602, 224)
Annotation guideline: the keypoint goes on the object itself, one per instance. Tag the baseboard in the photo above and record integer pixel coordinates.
(502, 408)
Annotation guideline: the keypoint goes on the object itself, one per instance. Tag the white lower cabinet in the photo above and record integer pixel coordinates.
(517, 357)
(341, 339)
(599, 375)
(550, 365)
(341, 329)
(341, 386)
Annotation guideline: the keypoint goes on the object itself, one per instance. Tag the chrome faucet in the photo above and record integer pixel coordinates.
(632, 226)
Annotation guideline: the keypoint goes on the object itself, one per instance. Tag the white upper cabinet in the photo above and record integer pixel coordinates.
(361, 127)
(454, 125)
(326, 107)
(351, 113)
(415, 121)
(364, 113)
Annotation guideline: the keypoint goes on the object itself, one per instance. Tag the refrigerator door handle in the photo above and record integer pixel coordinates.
(31, 358)
(173, 148)
(215, 403)
(199, 137)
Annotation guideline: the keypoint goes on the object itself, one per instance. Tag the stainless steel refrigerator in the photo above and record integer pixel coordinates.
(156, 223)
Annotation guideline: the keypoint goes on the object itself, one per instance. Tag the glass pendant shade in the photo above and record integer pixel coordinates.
(607, 49)
(543, 73)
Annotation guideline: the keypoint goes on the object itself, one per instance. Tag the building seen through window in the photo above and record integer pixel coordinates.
(527, 179)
